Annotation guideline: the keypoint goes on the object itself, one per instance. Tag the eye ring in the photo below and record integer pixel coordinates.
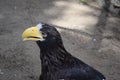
(44, 34)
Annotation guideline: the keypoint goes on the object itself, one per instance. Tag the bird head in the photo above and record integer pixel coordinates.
(43, 34)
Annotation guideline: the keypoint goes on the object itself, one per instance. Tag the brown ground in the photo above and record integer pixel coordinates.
(88, 33)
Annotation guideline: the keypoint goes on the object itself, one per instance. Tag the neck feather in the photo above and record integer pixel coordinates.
(54, 56)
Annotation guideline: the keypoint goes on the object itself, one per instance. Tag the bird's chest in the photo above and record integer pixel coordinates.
(49, 69)
(49, 65)
(48, 72)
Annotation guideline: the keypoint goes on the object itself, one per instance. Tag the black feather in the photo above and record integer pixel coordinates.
(58, 64)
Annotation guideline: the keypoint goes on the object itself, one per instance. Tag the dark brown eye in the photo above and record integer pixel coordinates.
(44, 34)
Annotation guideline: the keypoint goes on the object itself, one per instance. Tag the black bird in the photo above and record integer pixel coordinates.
(56, 62)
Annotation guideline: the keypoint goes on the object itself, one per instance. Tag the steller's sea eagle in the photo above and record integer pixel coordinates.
(56, 62)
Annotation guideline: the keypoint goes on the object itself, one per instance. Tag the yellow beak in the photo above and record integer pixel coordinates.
(32, 34)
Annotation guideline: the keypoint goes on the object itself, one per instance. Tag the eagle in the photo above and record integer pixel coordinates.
(56, 62)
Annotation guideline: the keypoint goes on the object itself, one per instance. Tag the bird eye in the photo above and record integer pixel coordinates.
(44, 34)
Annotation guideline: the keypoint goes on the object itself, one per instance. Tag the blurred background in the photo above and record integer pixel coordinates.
(90, 30)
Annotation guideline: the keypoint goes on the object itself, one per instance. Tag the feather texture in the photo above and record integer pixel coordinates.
(58, 64)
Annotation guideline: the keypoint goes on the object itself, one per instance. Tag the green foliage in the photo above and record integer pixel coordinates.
(84, 1)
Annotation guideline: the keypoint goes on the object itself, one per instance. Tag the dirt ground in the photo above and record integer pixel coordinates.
(88, 33)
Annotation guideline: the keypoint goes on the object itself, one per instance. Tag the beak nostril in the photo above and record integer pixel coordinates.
(33, 30)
